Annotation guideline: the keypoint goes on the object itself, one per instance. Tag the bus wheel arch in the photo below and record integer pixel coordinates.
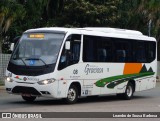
(129, 91)
(133, 84)
(74, 91)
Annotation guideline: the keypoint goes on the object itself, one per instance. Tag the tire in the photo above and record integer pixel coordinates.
(72, 95)
(29, 99)
(120, 96)
(128, 92)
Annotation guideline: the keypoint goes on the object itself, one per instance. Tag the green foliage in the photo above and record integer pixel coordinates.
(10, 10)
(84, 13)
(17, 16)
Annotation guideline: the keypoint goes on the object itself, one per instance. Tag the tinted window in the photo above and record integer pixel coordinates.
(70, 57)
(104, 49)
(151, 51)
(97, 49)
(122, 50)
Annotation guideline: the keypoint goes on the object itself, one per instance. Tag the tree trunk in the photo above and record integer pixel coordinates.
(0, 44)
(0, 67)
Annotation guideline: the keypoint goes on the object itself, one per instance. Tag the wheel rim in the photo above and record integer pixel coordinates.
(129, 91)
(71, 94)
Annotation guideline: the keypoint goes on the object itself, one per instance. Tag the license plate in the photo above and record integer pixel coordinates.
(27, 95)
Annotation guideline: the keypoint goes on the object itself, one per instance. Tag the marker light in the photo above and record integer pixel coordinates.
(45, 82)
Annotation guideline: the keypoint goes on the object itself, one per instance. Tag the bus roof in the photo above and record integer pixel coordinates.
(99, 31)
(114, 30)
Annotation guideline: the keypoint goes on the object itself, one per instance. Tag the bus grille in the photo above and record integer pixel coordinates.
(25, 90)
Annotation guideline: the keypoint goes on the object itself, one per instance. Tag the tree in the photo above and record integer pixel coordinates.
(17, 16)
(29, 15)
(136, 14)
(82, 13)
(54, 8)
(9, 11)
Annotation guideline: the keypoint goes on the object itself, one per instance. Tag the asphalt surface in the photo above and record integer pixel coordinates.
(145, 101)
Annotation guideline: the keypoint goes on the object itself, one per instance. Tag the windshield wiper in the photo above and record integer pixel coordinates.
(21, 60)
(36, 59)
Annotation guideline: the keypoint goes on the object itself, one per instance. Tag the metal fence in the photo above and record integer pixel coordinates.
(4, 59)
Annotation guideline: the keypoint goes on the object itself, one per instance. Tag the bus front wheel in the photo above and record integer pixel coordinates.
(29, 99)
(72, 95)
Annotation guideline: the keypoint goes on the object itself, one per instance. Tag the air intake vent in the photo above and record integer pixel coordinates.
(25, 90)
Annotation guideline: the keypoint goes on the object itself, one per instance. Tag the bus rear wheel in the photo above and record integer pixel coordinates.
(29, 99)
(72, 95)
(129, 91)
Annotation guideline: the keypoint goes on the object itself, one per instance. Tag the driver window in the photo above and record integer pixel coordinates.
(70, 57)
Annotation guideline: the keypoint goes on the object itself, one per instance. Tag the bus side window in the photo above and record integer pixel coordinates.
(102, 55)
(70, 57)
(122, 49)
(121, 55)
(151, 50)
(141, 52)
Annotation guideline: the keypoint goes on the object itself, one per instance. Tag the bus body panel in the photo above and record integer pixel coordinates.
(95, 78)
(31, 81)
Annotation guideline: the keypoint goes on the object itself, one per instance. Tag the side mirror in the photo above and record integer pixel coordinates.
(67, 45)
(16, 39)
(12, 47)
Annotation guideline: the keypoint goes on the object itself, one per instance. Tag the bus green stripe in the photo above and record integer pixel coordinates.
(115, 80)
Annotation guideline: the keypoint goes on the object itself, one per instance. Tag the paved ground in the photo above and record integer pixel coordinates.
(146, 101)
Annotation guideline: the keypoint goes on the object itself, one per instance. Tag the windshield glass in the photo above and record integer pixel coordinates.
(37, 49)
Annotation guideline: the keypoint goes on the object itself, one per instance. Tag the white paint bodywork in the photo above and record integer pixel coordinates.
(65, 77)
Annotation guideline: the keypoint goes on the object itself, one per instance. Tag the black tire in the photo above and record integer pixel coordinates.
(72, 95)
(120, 96)
(29, 99)
(128, 92)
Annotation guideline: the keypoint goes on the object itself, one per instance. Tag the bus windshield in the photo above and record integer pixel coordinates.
(37, 49)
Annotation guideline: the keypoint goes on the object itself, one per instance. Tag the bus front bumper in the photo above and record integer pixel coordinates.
(49, 90)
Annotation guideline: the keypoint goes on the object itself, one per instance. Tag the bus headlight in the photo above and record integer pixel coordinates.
(47, 81)
(8, 79)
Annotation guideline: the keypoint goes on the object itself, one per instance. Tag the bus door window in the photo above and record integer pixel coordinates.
(70, 57)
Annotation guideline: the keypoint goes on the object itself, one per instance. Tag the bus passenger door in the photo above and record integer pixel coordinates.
(69, 62)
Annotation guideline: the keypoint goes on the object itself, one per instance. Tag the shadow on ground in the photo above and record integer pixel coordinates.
(91, 99)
